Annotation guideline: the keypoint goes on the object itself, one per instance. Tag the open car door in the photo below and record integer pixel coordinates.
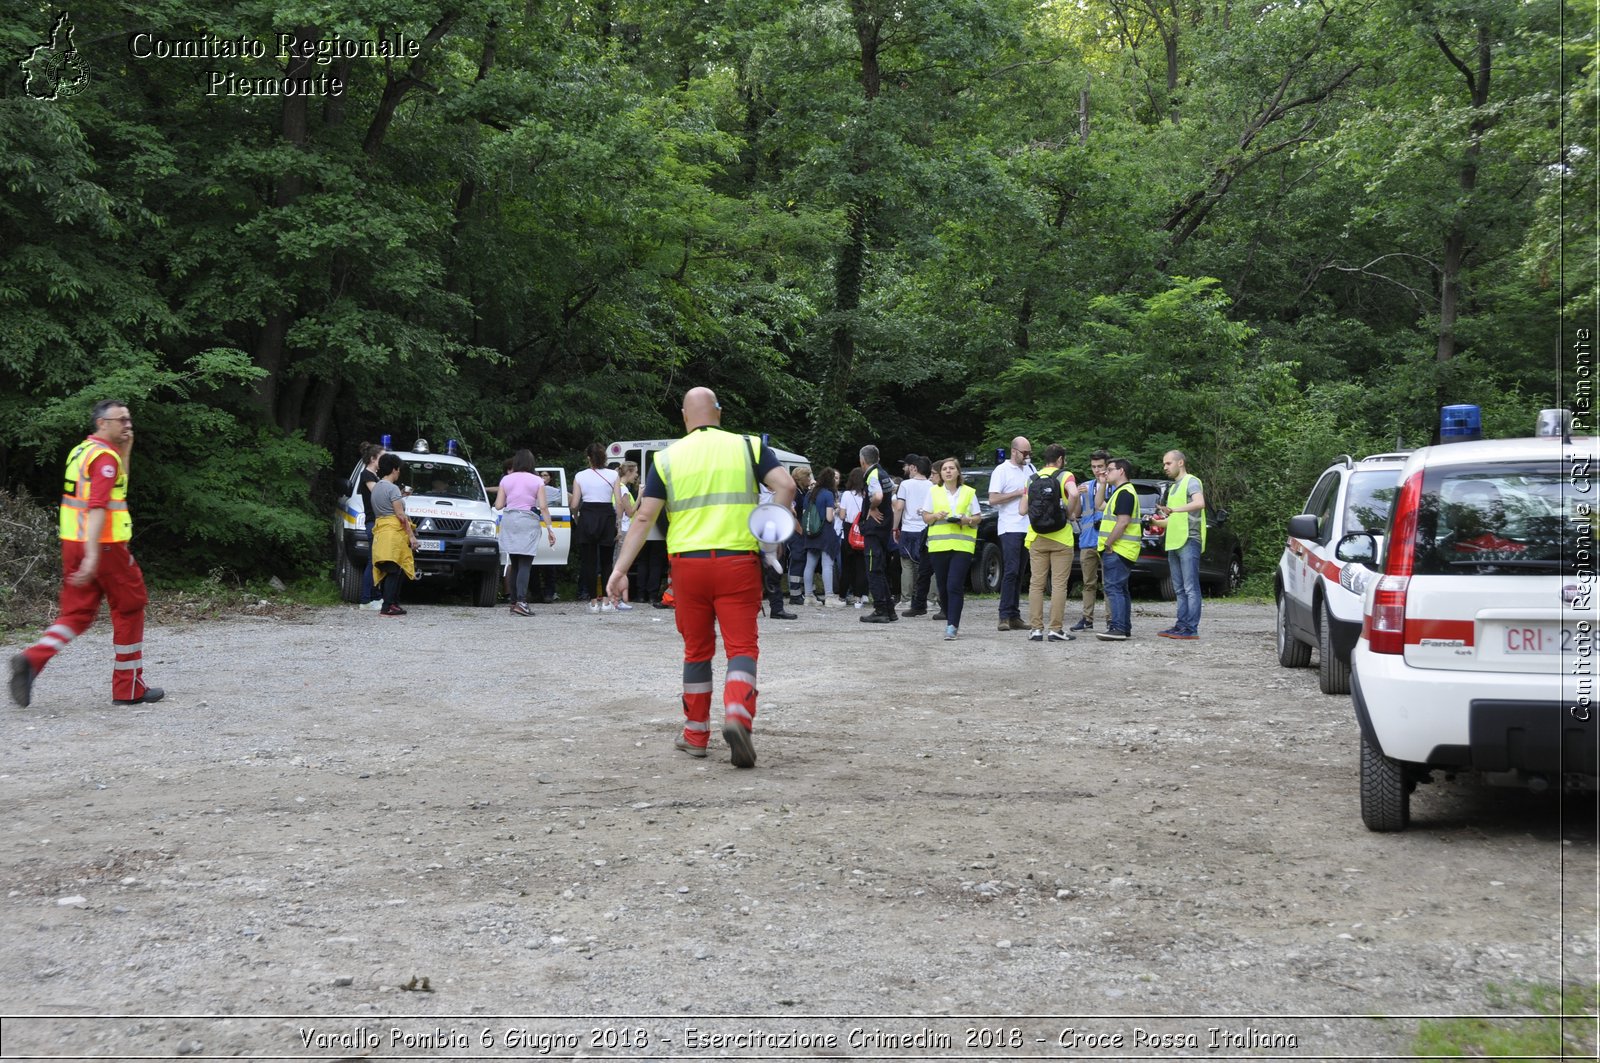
(560, 517)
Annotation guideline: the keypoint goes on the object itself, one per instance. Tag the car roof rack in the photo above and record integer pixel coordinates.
(1392, 455)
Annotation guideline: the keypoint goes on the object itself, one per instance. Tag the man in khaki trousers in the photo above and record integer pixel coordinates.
(1050, 542)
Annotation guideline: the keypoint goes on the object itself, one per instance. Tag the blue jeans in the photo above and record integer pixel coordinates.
(1115, 570)
(1011, 575)
(369, 590)
(1184, 564)
(817, 555)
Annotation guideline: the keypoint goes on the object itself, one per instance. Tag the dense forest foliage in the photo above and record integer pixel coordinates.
(1266, 233)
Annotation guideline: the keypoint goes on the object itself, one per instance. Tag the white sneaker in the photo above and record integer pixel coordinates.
(624, 607)
(607, 607)
(373, 606)
(594, 605)
(1036, 635)
(861, 603)
(820, 603)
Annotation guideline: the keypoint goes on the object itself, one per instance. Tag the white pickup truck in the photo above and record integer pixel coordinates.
(456, 524)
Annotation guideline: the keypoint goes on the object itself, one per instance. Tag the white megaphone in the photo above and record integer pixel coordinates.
(772, 525)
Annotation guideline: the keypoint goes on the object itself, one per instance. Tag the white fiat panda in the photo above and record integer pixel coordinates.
(1477, 652)
(1313, 609)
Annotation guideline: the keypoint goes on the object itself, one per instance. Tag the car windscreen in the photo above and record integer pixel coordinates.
(1367, 502)
(1502, 520)
(441, 479)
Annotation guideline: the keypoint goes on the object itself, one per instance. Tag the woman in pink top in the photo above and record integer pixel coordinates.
(520, 497)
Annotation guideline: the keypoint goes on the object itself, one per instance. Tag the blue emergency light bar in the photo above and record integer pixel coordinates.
(1458, 424)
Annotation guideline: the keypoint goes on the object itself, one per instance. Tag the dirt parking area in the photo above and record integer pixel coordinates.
(461, 834)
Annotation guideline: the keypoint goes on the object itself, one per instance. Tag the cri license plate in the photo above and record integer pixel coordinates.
(433, 545)
(1527, 639)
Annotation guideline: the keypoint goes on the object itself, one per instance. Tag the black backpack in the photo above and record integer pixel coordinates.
(1047, 509)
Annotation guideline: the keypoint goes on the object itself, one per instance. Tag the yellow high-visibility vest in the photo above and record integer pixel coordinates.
(118, 527)
(943, 535)
(1064, 534)
(1178, 523)
(1126, 547)
(710, 477)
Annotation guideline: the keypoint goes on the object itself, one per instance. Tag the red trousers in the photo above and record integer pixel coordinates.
(712, 593)
(117, 580)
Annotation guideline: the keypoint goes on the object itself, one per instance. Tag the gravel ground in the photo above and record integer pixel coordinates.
(460, 834)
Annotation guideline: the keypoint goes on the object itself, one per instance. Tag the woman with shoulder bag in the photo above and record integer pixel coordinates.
(594, 507)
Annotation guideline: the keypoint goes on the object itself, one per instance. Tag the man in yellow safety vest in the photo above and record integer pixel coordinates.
(1184, 510)
(707, 482)
(95, 528)
(1119, 549)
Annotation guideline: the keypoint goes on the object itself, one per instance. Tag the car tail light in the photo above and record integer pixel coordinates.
(1384, 626)
(1386, 623)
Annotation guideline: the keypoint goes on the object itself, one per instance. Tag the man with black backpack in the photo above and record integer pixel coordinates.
(1051, 505)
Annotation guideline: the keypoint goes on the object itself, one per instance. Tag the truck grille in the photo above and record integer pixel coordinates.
(442, 527)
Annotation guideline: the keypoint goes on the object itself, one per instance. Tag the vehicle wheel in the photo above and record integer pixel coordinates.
(1333, 675)
(1235, 575)
(488, 590)
(1292, 653)
(1168, 592)
(985, 578)
(1385, 791)
(349, 577)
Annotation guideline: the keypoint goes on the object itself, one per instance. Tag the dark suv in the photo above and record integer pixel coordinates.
(1221, 563)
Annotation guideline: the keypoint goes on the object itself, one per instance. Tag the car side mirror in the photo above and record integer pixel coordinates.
(1359, 548)
(1304, 526)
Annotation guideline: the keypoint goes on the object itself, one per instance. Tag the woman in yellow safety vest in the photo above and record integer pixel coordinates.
(952, 517)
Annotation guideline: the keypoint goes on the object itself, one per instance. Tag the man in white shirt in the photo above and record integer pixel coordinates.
(911, 498)
(1007, 484)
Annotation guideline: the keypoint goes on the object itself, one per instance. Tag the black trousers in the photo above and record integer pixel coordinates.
(596, 531)
(878, 573)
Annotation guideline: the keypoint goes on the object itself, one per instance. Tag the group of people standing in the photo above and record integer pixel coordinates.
(919, 532)
(1103, 522)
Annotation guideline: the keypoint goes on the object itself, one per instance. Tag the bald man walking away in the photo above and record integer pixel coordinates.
(708, 483)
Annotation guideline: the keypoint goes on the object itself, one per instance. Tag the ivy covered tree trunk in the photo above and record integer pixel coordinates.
(1453, 260)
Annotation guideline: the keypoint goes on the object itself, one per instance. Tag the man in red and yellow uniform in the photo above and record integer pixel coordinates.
(96, 563)
(708, 483)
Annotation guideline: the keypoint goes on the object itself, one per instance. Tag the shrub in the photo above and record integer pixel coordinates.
(30, 561)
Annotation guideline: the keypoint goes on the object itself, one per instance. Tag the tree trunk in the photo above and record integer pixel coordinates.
(467, 190)
(848, 275)
(850, 272)
(269, 352)
(323, 400)
(1169, 37)
(1454, 258)
(395, 89)
(1083, 113)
